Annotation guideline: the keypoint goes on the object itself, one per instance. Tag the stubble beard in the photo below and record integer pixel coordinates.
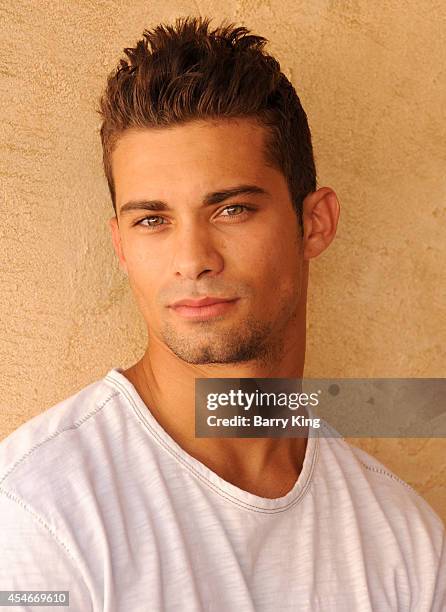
(210, 342)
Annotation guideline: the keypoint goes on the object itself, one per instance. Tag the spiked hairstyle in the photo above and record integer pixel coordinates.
(185, 72)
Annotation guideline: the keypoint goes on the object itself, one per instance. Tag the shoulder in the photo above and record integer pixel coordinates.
(34, 451)
(381, 503)
(46, 468)
(401, 497)
(402, 538)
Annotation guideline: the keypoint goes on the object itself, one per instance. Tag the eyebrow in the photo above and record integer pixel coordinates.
(214, 197)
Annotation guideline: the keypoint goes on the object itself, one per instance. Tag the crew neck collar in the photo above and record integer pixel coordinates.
(229, 491)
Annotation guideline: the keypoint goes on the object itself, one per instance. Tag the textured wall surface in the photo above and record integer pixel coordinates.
(372, 81)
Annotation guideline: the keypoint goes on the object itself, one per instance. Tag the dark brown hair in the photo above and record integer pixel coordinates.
(186, 72)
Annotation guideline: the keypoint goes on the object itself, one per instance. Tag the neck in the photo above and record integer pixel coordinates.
(267, 466)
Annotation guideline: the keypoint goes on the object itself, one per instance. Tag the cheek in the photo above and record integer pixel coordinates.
(144, 273)
(270, 260)
(279, 274)
(144, 264)
(140, 258)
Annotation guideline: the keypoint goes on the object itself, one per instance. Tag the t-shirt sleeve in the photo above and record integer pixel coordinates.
(33, 559)
(439, 601)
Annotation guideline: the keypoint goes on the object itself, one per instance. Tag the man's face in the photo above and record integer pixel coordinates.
(246, 246)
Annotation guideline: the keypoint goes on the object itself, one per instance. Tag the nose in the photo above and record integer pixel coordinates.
(195, 252)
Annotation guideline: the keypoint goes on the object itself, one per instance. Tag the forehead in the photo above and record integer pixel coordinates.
(197, 153)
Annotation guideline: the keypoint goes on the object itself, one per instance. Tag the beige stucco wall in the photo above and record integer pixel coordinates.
(372, 81)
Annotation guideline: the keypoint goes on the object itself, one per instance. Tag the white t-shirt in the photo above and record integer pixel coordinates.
(98, 500)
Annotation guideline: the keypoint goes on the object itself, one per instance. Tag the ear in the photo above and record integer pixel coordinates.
(320, 217)
(117, 244)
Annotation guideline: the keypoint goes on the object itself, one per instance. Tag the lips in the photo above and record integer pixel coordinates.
(207, 301)
(206, 309)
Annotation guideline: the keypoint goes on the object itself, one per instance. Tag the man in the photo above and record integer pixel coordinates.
(109, 495)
